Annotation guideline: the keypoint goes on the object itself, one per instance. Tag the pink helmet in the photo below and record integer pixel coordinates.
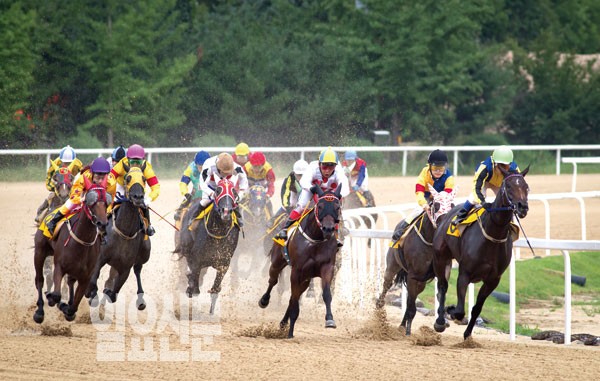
(258, 158)
(135, 151)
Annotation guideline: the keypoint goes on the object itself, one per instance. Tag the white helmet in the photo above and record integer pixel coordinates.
(67, 154)
(300, 166)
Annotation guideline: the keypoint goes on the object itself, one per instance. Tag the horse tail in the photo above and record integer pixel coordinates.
(401, 277)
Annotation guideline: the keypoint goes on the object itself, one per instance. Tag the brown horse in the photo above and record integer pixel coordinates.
(311, 251)
(75, 251)
(126, 245)
(212, 241)
(411, 263)
(483, 250)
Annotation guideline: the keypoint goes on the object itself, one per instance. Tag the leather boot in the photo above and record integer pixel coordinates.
(51, 225)
(400, 229)
(283, 232)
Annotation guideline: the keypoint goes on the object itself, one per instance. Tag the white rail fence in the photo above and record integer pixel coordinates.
(362, 267)
(579, 160)
(455, 150)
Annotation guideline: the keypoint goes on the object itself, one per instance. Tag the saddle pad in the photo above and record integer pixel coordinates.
(456, 231)
(44, 228)
(204, 212)
(281, 241)
(400, 242)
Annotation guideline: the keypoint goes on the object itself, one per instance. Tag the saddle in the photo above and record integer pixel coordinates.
(292, 228)
(474, 215)
(44, 228)
(400, 242)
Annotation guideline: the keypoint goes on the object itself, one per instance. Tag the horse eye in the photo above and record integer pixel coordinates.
(128, 178)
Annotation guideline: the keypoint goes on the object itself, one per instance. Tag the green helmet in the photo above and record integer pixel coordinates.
(502, 155)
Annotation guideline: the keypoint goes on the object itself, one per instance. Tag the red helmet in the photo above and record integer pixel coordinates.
(135, 151)
(257, 159)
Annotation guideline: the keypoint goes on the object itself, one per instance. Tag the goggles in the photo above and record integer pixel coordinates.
(438, 168)
(327, 165)
(136, 161)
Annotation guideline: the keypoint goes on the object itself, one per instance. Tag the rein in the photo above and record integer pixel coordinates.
(77, 239)
(119, 232)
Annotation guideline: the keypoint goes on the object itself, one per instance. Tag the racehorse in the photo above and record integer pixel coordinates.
(483, 250)
(213, 239)
(75, 251)
(256, 212)
(412, 261)
(126, 244)
(311, 250)
(63, 182)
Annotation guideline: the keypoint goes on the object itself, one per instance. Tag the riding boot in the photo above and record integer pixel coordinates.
(149, 230)
(41, 211)
(51, 225)
(400, 229)
(184, 204)
(463, 213)
(370, 199)
(283, 232)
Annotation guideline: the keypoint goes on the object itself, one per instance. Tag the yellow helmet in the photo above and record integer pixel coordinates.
(242, 149)
(328, 155)
(225, 164)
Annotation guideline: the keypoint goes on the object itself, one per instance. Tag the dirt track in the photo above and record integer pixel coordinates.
(352, 351)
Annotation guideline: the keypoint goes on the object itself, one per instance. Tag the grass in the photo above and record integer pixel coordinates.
(538, 282)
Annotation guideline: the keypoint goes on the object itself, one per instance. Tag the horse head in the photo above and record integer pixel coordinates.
(95, 203)
(225, 199)
(327, 210)
(63, 181)
(135, 185)
(515, 191)
(440, 204)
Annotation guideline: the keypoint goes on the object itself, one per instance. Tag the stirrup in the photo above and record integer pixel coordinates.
(150, 231)
(282, 234)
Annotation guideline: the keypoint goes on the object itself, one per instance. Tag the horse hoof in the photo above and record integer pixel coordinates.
(330, 324)
(263, 302)
(112, 296)
(93, 302)
(140, 303)
(439, 328)
(282, 324)
(69, 317)
(141, 306)
(38, 318)
(53, 299)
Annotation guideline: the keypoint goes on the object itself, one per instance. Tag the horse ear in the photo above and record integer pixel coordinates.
(144, 166)
(338, 192)
(315, 189)
(503, 171)
(526, 170)
(87, 183)
(125, 167)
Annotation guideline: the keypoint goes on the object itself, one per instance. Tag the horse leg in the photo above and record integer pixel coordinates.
(485, 291)
(70, 310)
(48, 273)
(140, 303)
(391, 270)
(414, 288)
(71, 285)
(278, 263)
(442, 274)
(92, 290)
(311, 289)
(326, 278)
(119, 280)
(39, 259)
(216, 288)
(54, 296)
(293, 310)
(462, 283)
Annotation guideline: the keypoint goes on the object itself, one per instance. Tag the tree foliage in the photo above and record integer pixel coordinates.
(176, 72)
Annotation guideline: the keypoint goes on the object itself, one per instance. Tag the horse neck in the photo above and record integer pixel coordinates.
(310, 226)
(83, 227)
(500, 219)
(215, 225)
(127, 218)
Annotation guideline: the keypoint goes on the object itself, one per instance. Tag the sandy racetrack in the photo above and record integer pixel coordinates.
(352, 351)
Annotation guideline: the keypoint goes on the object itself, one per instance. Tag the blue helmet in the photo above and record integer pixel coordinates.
(118, 153)
(350, 155)
(67, 154)
(201, 157)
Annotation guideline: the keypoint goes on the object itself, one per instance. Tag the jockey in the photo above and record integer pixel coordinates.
(356, 170)
(136, 158)
(191, 174)
(97, 172)
(290, 189)
(436, 174)
(66, 158)
(214, 169)
(260, 172)
(327, 174)
(241, 155)
(488, 176)
(117, 154)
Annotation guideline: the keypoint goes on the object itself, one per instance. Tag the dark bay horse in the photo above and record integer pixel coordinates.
(75, 251)
(412, 262)
(212, 241)
(483, 251)
(311, 249)
(63, 182)
(126, 244)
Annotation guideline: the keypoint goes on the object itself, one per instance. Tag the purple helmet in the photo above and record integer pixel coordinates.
(135, 151)
(100, 165)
